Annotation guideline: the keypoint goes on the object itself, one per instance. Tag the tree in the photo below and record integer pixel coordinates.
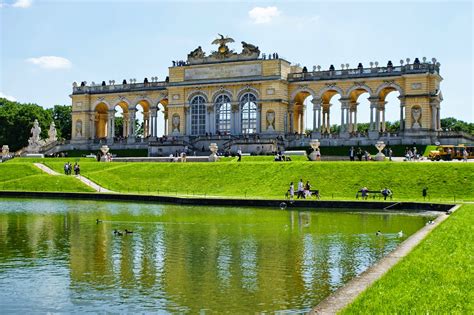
(452, 124)
(16, 121)
(62, 120)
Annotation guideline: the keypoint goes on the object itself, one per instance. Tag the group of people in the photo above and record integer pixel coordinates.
(68, 168)
(364, 191)
(353, 153)
(303, 190)
(411, 154)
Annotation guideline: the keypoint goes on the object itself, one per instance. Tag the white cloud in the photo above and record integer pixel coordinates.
(50, 62)
(8, 97)
(261, 15)
(22, 4)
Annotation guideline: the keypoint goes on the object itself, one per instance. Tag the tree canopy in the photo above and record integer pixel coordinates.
(16, 121)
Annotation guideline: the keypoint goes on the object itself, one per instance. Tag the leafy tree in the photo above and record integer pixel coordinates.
(16, 121)
(118, 126)
(62, 120)
(452, 124)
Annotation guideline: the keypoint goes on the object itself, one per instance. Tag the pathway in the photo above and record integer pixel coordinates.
(349, 292)
(86, 181)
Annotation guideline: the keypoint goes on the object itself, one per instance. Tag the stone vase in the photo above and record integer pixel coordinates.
(213, 148)
(314, 143)
(380, 145)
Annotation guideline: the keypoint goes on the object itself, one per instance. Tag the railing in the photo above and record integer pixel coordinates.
(96, 89)
(455, 134)
(363, 72)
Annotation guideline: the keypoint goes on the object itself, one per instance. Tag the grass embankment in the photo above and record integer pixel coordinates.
(437, 277)
(27, 177)
(335, 180)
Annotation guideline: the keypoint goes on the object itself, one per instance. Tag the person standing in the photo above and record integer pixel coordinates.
(239, 155)
(390, 152)
(351, 154)
(464, 155)
(292, 191)
(300, 189)
(359, 154)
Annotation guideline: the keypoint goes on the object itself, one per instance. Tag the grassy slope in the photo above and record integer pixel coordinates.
(338, 180)
(25, 176)
(437, 277)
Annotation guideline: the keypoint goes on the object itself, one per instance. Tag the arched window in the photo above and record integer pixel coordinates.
(248, 107)
(223, 111)
(198, 115)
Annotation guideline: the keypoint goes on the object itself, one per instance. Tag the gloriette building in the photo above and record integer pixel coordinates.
(256, 101)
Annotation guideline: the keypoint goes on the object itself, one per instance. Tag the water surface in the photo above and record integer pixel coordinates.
(54, 257)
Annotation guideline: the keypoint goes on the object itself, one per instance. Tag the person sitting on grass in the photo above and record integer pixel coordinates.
(364, 193)
(307, 190)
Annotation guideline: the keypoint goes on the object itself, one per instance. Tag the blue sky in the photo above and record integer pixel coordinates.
(46, 45)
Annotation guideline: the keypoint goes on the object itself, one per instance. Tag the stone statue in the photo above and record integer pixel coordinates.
(270, 120)
(197, 53)
(79, 128)
(52, 133)
(249, 49)
(35, 132)
(175, 122)
(223, 50)
(416, 114)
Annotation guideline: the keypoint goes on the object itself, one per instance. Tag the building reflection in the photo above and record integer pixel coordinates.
(282, 261)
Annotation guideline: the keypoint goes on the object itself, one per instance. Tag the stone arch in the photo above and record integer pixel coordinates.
(119, 100)
(302, 89)
(101, 119)
(99, 101)
(195, 93)
(140, 99)
(221, 91)
(391, 86)
(364, 87)
(329, 88)
(248, 89)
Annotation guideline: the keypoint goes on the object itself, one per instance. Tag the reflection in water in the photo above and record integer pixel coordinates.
(55, 257)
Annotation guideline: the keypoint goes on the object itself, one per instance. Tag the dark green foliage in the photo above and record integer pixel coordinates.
(16, 121)
(453, 124)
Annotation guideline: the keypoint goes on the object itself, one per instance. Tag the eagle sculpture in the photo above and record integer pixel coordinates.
(223, 49)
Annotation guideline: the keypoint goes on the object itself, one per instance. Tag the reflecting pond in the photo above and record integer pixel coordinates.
(55, 257)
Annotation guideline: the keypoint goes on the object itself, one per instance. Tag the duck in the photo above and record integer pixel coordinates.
(128, 232)
(118, 233)
(378, 233)
(400, 234)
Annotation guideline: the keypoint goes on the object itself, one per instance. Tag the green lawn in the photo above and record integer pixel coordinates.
(437, 277)
(336, 180)
(26, 177)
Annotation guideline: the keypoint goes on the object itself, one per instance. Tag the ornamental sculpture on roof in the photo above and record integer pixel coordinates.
(223, 53)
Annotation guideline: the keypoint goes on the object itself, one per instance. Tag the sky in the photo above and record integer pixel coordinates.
(47, 45)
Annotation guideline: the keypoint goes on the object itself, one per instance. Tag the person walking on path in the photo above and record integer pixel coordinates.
(464, 155)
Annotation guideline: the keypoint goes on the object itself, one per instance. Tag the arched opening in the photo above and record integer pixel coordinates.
(359, 111)
(332, 112)
(121, 121)
(142, 119)
(101, 118)
(388, 119)
(223, 114)
(198, 115)
(303, 113)
(161, 116)
(248, 110)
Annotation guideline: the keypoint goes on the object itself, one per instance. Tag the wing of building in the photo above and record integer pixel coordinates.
(257, 100)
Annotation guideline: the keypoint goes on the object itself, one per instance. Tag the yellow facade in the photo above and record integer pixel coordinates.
(264, 96)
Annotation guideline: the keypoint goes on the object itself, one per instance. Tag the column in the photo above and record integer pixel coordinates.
(125, 124)
(402, 109)
(373, 112)
(131, 123)
(328, 121)
(438, 118)
(433, 117)
(355, 119)
(290, 114)
(383, 119)
(347, 128)
(259, 118)
(351, 126)
(166, 123)
(146, 124)
(92, 125)
(111, 125)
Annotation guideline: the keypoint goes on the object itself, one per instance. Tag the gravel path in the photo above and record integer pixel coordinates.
(86, 181)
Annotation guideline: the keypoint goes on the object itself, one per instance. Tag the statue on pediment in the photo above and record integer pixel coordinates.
(249, 49)
(197, 53)
(223, 50)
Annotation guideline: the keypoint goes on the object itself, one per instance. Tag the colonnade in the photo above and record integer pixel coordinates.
(102, 125)
(349, 110)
